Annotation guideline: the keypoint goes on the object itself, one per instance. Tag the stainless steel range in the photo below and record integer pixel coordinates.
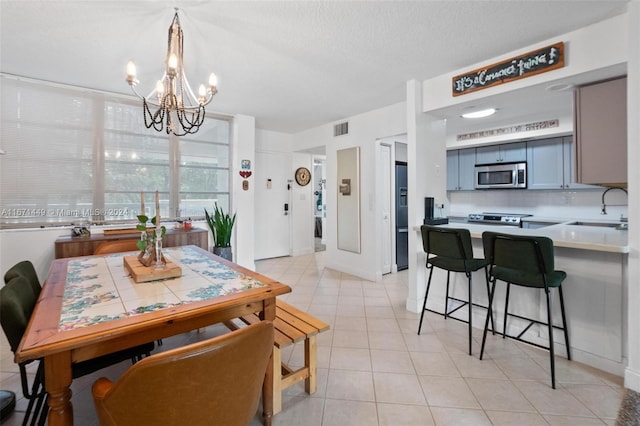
(510, 219)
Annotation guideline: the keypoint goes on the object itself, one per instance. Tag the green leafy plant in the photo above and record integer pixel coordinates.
(221, 225)
(142, 226)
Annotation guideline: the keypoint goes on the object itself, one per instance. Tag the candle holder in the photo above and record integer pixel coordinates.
(160, 262)
(150, 244)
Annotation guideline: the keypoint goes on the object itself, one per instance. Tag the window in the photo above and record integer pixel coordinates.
(72, 155)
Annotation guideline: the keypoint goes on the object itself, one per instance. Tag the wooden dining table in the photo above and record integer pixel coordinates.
(91, 306)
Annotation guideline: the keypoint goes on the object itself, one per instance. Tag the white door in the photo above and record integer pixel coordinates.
(272, 219)
(385, 195)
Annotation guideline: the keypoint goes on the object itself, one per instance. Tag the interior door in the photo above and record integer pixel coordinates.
(385, 193)
(272, 202)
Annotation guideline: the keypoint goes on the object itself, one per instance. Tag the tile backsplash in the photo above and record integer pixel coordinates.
(576, 204)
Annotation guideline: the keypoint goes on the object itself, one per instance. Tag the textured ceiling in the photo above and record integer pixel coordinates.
(291, 64)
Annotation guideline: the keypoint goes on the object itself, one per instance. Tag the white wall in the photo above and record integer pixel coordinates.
(364, 130)
(270, 141)
(243, 140)
(302, 202)
(632, 374)
(426, 168)
(597, 46)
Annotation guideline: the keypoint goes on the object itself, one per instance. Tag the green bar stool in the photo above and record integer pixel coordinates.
(526, 261)
(450, 249)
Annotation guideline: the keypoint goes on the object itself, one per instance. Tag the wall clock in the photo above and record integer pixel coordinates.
(303, 176)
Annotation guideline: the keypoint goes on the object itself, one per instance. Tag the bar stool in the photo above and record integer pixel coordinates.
(450, 249)
(529, 262)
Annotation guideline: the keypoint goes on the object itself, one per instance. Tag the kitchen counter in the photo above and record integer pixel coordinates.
(594, 238)
(595, 260)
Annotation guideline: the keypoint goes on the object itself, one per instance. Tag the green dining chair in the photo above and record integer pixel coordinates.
(25, 269)
(450, 249)
(526, 261)
(17, 302)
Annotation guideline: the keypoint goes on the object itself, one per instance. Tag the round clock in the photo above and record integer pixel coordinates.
(303, 176)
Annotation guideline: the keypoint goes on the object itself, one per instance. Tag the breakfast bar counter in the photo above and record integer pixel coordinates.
(565, 234)
(595, 290)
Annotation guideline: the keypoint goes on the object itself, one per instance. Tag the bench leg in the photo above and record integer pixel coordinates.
(277, 380)
(311, 362)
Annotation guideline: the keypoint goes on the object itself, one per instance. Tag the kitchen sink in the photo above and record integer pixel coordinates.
(620, 226)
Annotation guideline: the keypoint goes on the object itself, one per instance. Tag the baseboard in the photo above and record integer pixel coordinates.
(632, 379)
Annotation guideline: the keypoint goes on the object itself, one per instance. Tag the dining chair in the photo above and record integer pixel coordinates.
(526, 261)
(117, 246)
(450, 249)
(25, 269)
(214, 382)
(17, 302)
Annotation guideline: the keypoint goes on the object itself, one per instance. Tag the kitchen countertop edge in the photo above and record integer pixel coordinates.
(563, 235)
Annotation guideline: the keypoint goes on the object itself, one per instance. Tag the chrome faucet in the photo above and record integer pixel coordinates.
(604, 206)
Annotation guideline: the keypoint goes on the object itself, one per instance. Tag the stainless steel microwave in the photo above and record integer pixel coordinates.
(501, 176)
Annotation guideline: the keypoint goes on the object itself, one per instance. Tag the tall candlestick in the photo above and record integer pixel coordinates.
(141, 202)
(157, 210)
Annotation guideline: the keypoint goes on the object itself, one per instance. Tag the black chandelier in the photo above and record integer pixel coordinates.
(177, 109)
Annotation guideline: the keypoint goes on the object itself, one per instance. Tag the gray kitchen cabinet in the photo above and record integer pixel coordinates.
(503, 153)
(550, 164)
(601, 133)
(460, 169)
(545, 164)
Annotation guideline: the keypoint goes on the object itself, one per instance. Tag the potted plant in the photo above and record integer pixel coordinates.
(221, 225)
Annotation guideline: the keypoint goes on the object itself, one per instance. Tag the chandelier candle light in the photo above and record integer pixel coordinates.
(178, 109)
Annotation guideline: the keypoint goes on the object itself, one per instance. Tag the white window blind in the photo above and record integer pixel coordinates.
(72, 155)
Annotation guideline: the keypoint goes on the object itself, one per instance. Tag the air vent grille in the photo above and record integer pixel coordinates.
(341, 129)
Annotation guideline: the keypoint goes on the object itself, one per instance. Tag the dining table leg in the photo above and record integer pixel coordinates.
(58, 377)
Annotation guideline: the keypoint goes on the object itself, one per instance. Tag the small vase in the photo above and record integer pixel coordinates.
(224, 252)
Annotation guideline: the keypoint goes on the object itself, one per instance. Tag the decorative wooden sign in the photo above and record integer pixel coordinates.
(531, 63)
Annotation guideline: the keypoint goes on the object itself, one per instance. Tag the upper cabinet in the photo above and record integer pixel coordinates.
(460, 169)
(550, 164)
(601, 133)
(503, 153)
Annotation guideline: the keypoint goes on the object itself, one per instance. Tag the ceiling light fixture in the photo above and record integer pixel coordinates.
(480, 114)
(179, 110)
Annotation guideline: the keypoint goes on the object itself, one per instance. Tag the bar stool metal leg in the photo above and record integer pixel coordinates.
(552, 357)
(489, 311)
(446, 299)
(486, 321)
(424, 305)
(564, 323)
(506, 312)
(470, 312)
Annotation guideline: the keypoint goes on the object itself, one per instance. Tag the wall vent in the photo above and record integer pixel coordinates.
(341, 129)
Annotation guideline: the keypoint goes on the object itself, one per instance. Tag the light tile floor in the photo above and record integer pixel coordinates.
(375, 370)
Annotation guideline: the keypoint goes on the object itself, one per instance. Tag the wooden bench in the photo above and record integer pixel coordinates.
(291, 326)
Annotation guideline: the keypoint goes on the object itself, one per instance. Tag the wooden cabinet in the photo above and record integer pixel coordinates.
(503, 153)
(460, 169)
(86, 246)
(550, 164)
(600, 124)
